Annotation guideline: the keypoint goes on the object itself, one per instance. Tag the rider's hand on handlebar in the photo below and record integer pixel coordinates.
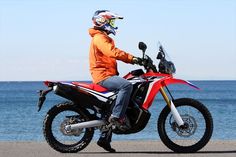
(137, 60)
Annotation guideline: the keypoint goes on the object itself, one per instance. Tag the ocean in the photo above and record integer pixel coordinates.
(20, 121)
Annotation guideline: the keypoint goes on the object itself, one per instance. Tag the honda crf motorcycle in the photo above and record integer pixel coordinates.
(184, 125)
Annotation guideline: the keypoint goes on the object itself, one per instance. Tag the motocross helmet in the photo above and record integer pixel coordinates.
(105, 20)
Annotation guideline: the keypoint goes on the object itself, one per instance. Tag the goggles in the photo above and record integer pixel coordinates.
(112, 22)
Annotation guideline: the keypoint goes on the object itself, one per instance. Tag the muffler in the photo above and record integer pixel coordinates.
(89, 124)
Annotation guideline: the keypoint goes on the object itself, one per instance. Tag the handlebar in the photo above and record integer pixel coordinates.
(148, 64)
(164, 66)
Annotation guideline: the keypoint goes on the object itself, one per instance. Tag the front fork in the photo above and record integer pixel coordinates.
(172, 107)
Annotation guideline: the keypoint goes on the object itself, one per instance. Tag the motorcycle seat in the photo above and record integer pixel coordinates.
(91, 86)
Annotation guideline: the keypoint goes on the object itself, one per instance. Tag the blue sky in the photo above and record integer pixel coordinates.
(48, 39)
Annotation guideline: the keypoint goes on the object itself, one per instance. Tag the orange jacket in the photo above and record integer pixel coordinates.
(103, 56)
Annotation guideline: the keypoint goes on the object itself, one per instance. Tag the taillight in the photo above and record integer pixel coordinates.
(49, 83)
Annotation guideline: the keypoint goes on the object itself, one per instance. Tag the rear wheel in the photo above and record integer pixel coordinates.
(54, 128)
(196, 132)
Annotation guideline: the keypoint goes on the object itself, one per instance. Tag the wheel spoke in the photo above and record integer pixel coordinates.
(62, 139)
(58, 129)
(190, 135)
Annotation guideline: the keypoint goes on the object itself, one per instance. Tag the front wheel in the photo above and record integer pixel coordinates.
(54, 128)
(196, 132)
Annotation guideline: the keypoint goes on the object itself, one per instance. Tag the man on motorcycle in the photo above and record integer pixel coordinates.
(103, 68)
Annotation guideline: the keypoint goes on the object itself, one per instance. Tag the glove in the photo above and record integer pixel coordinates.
(137, 60)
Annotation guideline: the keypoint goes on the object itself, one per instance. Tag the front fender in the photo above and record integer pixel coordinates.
(155, 86)
(172, 80)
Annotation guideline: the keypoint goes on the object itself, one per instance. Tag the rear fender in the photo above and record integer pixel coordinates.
(156, 85)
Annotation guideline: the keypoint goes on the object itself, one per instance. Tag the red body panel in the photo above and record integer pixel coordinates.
(91, 86)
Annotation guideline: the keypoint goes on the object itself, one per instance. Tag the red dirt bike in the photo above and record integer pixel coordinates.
(185, 125)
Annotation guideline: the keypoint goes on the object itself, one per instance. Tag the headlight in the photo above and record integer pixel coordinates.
(166, 67)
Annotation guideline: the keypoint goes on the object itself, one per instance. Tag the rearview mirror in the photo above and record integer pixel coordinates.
(142, 46)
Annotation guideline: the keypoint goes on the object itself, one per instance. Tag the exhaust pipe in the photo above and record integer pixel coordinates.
(89, 124)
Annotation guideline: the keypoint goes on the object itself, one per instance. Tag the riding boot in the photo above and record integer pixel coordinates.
(105, 141)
